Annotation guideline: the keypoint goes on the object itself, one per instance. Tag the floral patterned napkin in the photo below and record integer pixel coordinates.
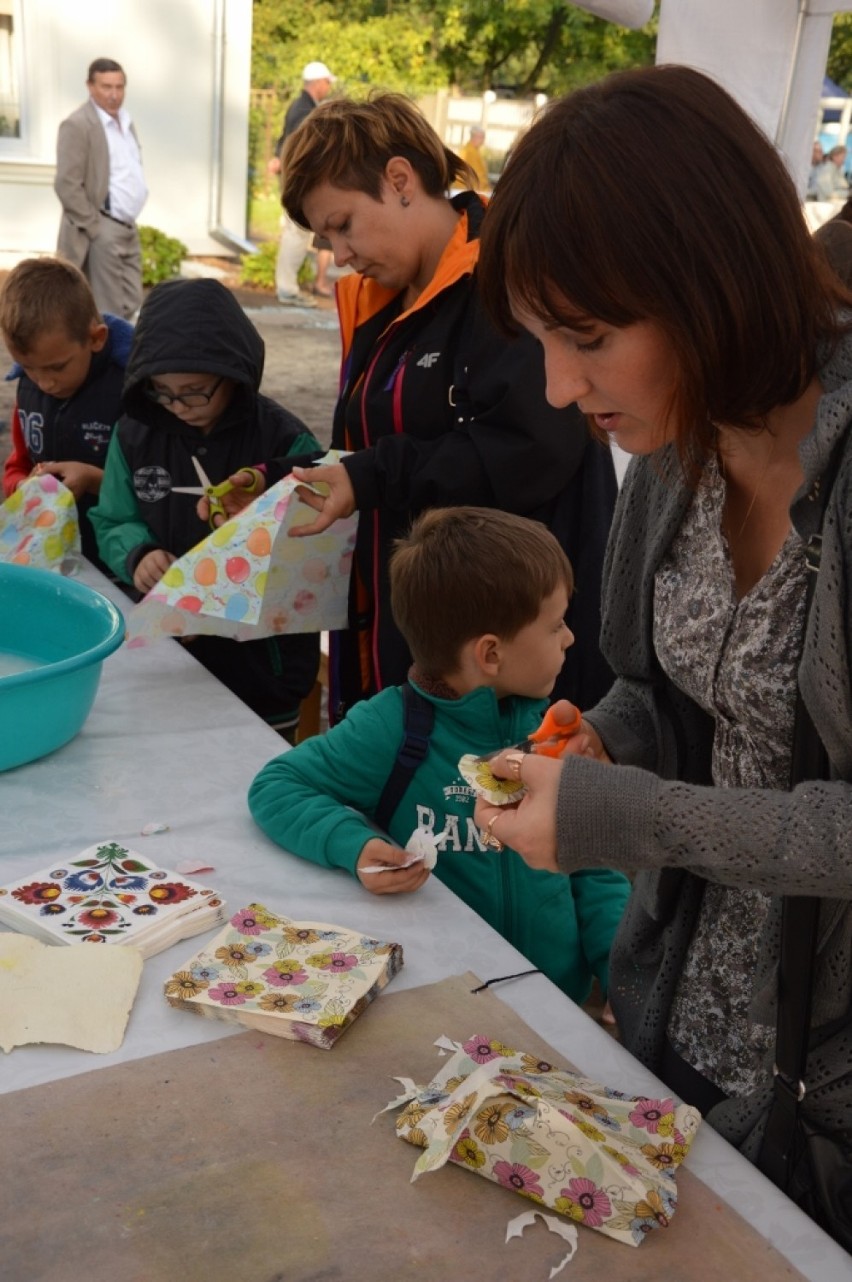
(601, 1158)
(303, 980)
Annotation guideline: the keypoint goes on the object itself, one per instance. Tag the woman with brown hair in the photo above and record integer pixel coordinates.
(437, 407)
(696, 324)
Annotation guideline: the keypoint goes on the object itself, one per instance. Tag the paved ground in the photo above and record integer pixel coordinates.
(302, 359)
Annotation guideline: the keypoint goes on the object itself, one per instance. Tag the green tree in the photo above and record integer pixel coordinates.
(519, 46)
(839, 66)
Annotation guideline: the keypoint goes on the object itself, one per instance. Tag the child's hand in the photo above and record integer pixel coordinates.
(151, 569)
(396, 880)
(247, 485)
(339, 502)
(80, 478)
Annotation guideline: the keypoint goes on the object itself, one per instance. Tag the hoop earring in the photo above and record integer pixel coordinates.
(404, 201)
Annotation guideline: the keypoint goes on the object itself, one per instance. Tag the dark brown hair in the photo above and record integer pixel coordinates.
(103, 67)
(41, 295)
(349, 144)
(464, 571)
(651, 195)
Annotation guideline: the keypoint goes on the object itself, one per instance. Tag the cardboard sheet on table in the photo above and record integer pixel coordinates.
(253, 1157)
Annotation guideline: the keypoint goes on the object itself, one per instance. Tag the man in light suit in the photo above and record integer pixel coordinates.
(101, 187)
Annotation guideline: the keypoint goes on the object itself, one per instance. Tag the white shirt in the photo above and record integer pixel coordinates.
(127, 189)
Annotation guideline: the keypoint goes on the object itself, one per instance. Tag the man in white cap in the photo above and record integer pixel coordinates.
(295, 241)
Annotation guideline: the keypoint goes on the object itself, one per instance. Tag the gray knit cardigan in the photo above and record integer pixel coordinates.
(657, 812)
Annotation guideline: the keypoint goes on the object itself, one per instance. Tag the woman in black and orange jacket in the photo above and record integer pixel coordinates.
(437, 407)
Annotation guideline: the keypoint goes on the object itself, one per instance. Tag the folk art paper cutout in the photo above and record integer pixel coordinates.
(307, 981)
(109, 894)
(249, 579)
(591, 1153)
(39, 526)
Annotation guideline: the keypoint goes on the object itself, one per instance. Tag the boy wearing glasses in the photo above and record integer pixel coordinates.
(69, 365)
(191, 390)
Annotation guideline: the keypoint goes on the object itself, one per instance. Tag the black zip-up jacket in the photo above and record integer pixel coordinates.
(198, 327)
(440, 409)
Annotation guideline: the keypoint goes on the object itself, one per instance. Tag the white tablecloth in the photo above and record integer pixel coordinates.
(166, 743)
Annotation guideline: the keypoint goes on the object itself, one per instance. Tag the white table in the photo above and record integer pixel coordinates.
(167, 743)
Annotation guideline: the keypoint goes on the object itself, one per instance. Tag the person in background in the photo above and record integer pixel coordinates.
(481, 597)
(817, 157)
(436, 407)
(835, 239)
(69, 366)
(191, 390)
(295, 241)
(714, 345)
(471, 154)
(101, 187)
(830, 181)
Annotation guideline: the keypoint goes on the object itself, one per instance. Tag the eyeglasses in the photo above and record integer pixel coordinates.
(192, 400)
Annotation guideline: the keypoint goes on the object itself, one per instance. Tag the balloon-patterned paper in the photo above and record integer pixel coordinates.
(39, 526)
(250, 579)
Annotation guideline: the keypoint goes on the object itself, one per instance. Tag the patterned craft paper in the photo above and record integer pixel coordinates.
(39, 527)
(303, 980)
(249, 579)
(110, 895)
(601, 1158)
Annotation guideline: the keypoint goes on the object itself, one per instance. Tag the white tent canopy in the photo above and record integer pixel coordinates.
(770, 54)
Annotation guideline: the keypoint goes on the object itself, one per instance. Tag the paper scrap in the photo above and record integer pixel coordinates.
(75, 996)
(150, 829)
(190, 866)
(423, 848)
(568, 1232)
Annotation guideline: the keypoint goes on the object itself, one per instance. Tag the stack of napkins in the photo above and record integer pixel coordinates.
(109, 894)
(307, 981)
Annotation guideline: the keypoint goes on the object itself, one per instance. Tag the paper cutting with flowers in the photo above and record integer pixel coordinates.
(601, 1158)
(108, 894)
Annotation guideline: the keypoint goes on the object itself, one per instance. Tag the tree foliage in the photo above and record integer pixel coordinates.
(840, 53)
(513, 46)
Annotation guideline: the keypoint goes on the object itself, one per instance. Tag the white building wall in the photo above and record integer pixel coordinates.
(188, 78)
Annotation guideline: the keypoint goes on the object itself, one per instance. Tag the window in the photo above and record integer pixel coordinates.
(10, 101)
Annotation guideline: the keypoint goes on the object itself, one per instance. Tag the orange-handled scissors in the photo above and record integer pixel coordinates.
(551, 738)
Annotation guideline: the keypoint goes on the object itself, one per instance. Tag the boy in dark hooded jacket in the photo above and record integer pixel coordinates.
(191, 389)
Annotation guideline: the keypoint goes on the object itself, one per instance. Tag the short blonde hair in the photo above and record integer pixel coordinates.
(349, 144)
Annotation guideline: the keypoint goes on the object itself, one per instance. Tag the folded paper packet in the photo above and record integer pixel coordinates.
(249, 579)
(39, 526)
(601, 1158)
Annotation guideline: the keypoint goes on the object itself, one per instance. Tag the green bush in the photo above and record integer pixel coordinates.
(162, 255)
(259, 268)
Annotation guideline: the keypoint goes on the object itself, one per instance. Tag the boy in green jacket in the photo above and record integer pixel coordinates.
(480, 596)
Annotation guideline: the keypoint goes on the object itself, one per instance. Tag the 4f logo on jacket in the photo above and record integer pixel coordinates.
(429, 359)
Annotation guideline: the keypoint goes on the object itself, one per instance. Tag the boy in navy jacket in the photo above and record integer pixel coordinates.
(69, 363)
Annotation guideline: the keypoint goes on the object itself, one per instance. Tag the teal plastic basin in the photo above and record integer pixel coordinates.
(68, 630)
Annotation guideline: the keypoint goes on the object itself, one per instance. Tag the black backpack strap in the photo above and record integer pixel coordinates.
(418, 718)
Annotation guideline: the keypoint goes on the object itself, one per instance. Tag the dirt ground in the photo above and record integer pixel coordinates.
(302, 356)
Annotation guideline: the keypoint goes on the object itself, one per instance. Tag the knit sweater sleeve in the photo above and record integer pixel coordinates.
(784, 843)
